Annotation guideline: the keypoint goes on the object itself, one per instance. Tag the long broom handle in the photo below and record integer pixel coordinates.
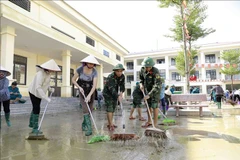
(90, 113)
(148, 110)
(40, 124)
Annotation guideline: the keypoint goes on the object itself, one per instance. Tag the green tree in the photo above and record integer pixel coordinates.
(231, 68)
(180, 62)
(195, 18)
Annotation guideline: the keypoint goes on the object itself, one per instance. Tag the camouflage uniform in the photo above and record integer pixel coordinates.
(152, 84)
(137, 97)
(110, 91)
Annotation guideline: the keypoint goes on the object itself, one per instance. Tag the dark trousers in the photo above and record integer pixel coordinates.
(218, 98)
(6, 106)
(163, 104)
(35, 103)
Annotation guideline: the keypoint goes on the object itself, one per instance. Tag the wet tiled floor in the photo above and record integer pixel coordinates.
(192, 138)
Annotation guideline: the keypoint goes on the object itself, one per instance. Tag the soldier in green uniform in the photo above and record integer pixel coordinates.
(137, 101)
(150, 83)
(111, 94)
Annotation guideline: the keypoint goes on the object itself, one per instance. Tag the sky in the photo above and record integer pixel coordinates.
(140, 26)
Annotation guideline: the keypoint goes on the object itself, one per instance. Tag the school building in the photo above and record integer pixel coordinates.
(208, 65)
(33, 32)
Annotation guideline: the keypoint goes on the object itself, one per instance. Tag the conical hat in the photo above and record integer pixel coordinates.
(3, 69)
(50, 65)
(90, 59)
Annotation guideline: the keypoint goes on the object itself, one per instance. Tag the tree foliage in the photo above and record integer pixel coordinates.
(180, 62)
(196, 16)
(232, 66)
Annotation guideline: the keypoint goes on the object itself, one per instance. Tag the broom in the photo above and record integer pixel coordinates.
(153, 131)
(34, 136)
(123, 136)
(98, 137)
(166, 120)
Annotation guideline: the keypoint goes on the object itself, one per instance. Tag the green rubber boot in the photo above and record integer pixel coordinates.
(84, 125)
(220, 105)
(31, 120)
(35, 124)
(7, 117)
(89, 125)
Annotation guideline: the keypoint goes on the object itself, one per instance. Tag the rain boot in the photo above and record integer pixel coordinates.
(89, 125)
(35, 124)
(84, 125)
(220, 105)
(31, 121)
(7, 117)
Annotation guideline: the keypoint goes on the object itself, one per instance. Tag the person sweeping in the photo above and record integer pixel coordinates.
(37, 91)
(111, 96)
(85, 78)
(4, 95)
(137, 101)
(150, 83)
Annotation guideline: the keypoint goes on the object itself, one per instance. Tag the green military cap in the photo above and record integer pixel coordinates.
(148, 62)
(137, 83)
(118, 66)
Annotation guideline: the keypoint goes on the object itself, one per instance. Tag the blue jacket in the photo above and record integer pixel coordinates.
(162, 93)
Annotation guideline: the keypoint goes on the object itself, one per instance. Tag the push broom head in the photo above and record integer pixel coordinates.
(34, 136)
(124, 137)
(167, 121)
(99, 138)
(155, 132)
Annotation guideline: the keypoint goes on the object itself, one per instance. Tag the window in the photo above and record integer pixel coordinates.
(197, 74)
(162, 73)
(211, 74)
(90, 41)
(176, 76)
(129, 78)
(210, 58)
(128, 92)
(25, 4)
(118, 57)
(195, 59)
(20, 69)
(173, 62)
(105, 53)
(130, 65)
(178, 88)
(160, 61)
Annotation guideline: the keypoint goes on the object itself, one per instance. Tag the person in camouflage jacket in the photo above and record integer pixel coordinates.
(137, 101)
(111, 93)
(150, 83)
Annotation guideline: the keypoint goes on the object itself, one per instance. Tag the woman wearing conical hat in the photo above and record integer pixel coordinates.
(85, 78)
(4, 94)
(38, 89)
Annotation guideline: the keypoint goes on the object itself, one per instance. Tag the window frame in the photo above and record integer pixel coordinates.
(20, 63)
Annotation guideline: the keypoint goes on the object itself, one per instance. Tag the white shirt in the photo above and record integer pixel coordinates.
(40, 84)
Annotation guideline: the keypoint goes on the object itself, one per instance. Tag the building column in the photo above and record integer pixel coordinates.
(100, 76)
(66, 87)
(203, 70)
(7, 48)
(134, 70)
(167, 69)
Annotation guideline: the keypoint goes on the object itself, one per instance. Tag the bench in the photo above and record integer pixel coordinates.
(196, 98)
